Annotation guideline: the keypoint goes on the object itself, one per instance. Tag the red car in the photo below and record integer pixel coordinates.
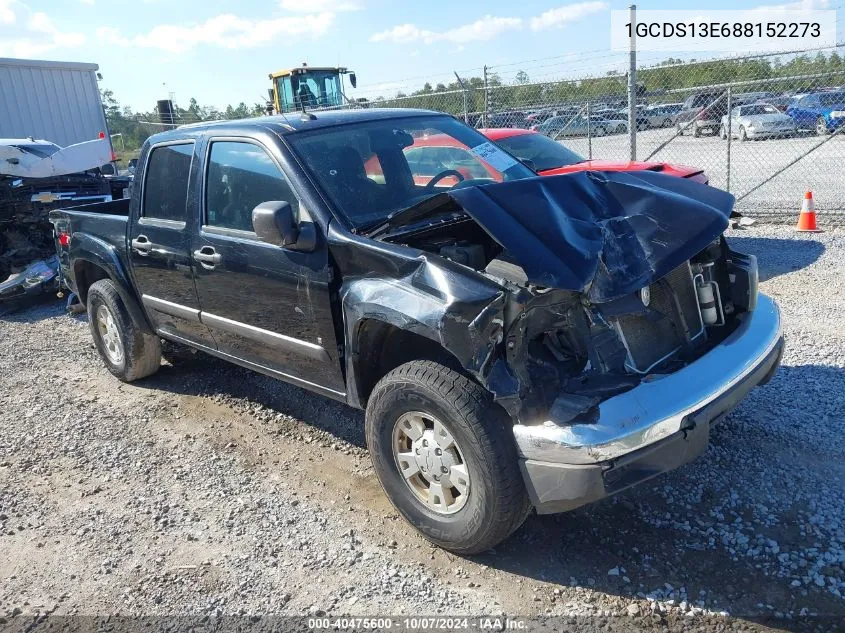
(431, 155)
(550, 158)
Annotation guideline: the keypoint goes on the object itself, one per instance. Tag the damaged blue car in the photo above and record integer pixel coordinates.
(517, 342)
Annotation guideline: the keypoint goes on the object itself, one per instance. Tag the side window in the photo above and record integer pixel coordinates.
(239, 177)
(166, 182)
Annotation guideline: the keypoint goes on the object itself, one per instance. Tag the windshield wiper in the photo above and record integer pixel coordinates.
(435, 205)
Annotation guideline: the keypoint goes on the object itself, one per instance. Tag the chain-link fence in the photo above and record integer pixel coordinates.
(766, 127)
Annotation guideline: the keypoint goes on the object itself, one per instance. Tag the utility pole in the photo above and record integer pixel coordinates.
(632, 81)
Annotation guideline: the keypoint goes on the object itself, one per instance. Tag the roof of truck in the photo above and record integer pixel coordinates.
(296, 121)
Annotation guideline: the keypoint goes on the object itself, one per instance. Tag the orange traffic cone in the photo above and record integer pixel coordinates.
(807, 219)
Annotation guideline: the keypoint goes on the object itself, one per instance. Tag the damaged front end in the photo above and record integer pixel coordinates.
(627, 322)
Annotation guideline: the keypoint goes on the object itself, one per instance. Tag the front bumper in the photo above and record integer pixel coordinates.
(655, 427)
(766, 132)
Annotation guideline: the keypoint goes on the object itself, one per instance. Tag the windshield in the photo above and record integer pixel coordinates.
(540, 150)
(759, 109)
(373, 169)
(309, 89)
(42, 150)
(832, 98)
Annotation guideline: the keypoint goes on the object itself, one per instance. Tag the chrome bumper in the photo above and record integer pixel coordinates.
(660, 406)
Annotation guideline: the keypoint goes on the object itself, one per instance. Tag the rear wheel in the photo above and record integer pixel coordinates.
(128, 352)
(821, 126)
(444, 454)
(696, 131)
(620, 129)
(666, 123)
(743, 135)
(723, 133)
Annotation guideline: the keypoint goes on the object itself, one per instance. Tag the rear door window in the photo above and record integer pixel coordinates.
(166, 182)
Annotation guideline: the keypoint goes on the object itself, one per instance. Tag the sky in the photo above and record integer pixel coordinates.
(221, 52)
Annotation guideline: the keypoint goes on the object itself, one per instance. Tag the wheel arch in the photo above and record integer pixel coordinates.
(379, 346)
(93, 259)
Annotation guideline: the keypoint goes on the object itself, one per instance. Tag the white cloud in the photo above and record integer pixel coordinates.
(489, 26)
(7, 16)
(319, 6)
(561, 16)
(485, 28)
(46, 37)
(224, 31)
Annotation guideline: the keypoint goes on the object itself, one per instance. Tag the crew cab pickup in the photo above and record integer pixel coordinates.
(517, 342)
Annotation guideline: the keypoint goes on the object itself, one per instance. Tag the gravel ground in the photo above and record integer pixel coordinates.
(207, 490)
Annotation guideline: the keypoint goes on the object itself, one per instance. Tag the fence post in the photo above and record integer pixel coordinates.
(730, 136)
(632, 81)
(589, 134)
(464, 92)
(486, 99)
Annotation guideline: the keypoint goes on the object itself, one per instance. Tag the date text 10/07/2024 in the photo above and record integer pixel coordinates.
(418, 623)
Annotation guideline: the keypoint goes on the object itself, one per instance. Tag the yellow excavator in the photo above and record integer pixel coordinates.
(309, 88)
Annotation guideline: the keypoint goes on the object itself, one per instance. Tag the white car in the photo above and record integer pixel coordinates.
(757, 120)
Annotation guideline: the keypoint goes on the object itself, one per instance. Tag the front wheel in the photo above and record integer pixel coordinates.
(621, 129)
(743, 135)
(821, 126)
(723, 133)
(128, 352)
(445, 456)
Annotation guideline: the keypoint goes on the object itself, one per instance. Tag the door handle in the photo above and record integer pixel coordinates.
(208, 257)
(142, 244)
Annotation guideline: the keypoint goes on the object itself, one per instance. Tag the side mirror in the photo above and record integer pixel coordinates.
(271, 95)
(353, 80)
(274, 222)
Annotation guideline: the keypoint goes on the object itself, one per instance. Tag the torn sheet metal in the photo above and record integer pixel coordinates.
(606, 234)
(41, 159)
(38, 278)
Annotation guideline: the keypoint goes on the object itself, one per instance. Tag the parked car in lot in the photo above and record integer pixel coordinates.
(551, 158)
(663, 115)
(508, 119)
(756, 120)
(823, 112)
(580, 125)
(431, 154)
(782, 102)
(702, 112)
(512, 342)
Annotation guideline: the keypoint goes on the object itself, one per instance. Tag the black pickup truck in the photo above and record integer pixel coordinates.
(517, 342)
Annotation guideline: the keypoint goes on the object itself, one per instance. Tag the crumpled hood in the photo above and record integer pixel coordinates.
(606, 234)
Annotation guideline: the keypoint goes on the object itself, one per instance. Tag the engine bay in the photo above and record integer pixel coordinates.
(570, 353)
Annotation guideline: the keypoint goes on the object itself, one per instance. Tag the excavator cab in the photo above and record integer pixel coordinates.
(309, 88)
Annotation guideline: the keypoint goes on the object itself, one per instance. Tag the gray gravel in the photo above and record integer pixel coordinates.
(207, 489)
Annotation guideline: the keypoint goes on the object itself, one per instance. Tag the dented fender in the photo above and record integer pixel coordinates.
(459, 310)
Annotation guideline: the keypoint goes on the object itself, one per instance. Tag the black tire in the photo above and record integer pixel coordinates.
(141, 352)
(723, 133)
(497, 502)
(680, 129)
(743, 135)
(696, 131)
(621, 129)
(821, 127)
